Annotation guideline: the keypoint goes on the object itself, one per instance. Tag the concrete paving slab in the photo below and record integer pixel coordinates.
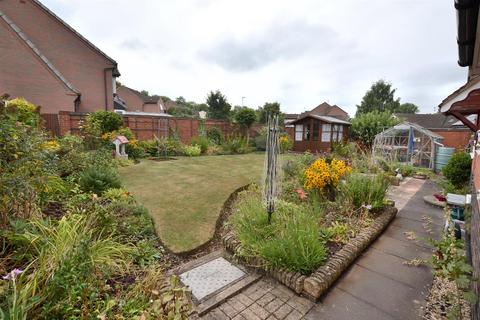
(401, 249)
(392, 297)
(399, 234)
(210, 277)
(414, 225)
(340, 305)
(417, 214)
(395, 268)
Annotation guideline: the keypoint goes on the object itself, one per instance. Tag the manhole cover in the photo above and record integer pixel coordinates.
(210, 277)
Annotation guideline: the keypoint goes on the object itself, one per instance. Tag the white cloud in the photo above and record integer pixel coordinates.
(298, 52)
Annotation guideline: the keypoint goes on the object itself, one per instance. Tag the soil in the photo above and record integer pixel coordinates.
(441, 300)
(54, 210)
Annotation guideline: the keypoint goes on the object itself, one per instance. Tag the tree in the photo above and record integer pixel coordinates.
(245, 118)
(380, 97)
(407, 108)
(145, 93)
(218, 106)
(269, 108)
(367, 125)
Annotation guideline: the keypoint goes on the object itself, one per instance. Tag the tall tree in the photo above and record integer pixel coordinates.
(245, 118)
(218, 106)
(367, 125)
(407, 108)
(380, 97)
(269, 108)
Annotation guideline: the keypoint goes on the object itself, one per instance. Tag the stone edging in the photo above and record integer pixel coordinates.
(317, 283)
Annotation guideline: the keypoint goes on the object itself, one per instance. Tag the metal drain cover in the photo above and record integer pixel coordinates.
(210, 277)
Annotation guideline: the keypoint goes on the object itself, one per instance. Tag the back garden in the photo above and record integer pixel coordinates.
(81, 230)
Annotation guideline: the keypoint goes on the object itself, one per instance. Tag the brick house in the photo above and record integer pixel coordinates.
(48, 63)
(464, 104)
(139, 102)
(455, 134)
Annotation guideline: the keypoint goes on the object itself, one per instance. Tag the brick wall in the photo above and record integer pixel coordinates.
(146, 127)
(455, 139)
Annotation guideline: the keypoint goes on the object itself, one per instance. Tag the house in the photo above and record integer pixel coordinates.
(48, 63)
(318, 133)
(464, 104)
(318, 129)
(455, 134)
(136, 101)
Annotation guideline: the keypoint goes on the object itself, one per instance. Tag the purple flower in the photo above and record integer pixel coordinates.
(368, 207)
(12, 274)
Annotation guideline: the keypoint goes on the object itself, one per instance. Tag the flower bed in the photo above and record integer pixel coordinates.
(326, 215)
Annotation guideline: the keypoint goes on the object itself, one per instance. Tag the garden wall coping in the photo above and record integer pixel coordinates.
(316, 284)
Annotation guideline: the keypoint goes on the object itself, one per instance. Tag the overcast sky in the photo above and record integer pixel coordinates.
(300, 52)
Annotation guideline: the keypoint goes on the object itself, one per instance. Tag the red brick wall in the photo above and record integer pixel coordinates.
(78, 62)
(455, 139)
(22, 74)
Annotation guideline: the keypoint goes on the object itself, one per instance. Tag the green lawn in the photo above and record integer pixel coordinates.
(185, 196)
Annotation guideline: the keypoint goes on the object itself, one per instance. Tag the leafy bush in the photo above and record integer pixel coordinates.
(235, 145)
(215, 135)
(23, 111)
(360, 190)
(344, 149)
(162, 147)
(367, 125)
(202, 142)
(99, 179)
(261, 142)
(100, 122)
(286, 143)
(192, 151)
(458, 169)
(290, 241)
(406, 170)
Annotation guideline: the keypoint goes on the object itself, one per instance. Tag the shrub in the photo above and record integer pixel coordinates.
(344, 149)
(261, 142)
(406, 170)
(458, 169)
(192, 151)
(163, 146)
(99, 179)
(360, 190)
(202, 142)
(320, 174)
(290, 241)
(215, 135)
(99, 122)
(366, 125)
(286, 143)
(235, 145)
(23, 111)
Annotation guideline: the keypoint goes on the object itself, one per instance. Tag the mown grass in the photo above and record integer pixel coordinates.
(185, 196)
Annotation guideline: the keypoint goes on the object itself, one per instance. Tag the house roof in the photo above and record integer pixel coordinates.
(325, 109)
(323, 118)
(66, 25)
(145, 98)
(23, 37)
(431, 120)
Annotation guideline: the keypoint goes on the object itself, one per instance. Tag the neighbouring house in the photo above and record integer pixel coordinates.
(47, 62)
(464, 104)
(455, 134)
(318, 133)
(136, 101)
(318, 129)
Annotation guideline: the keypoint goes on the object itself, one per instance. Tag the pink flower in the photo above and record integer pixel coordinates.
(12, 274)
(301, 193)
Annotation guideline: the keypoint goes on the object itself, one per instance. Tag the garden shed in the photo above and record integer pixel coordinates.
(409, 143)
(318, 133)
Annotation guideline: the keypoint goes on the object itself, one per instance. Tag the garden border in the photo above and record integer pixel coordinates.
(317, 283)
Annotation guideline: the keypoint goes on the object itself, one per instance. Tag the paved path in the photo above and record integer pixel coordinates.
(378, 286)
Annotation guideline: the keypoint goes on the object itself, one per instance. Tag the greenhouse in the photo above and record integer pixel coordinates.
(408, 143)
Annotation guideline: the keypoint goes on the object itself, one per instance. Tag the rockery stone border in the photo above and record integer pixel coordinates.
(317, 283)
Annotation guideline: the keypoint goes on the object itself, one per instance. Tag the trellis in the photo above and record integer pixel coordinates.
(408, 143)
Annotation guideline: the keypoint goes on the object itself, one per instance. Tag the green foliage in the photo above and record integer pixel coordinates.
(215, 135)
(201, 142)
(162, 147)
(218, 106)
(344, 149)
(286, 144)
(269, 108)
(407, 108)
(235, 145)
(23, 111)
(361, 190)
(192, 151)
(458, 169)
(99, 179)
(261, 142)
(406, 170)
(245, 117)
(366, 126)
(291, 241)
(100, 122)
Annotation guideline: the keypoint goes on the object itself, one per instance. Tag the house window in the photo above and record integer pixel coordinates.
(298, 132)
(326, 132)
(316, 131)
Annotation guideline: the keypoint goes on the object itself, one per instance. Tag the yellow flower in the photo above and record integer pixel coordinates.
(321, 174)
(51, 145)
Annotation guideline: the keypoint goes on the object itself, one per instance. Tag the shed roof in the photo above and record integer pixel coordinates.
(323, 118)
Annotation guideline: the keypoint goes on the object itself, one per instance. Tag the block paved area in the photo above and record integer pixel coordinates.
(379, 285)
